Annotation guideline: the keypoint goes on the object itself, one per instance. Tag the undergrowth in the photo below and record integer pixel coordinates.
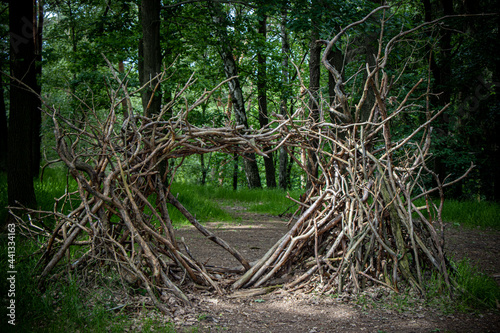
(473, 292)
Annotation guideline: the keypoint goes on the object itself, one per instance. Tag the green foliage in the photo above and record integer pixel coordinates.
(469, 213)
(475, 290)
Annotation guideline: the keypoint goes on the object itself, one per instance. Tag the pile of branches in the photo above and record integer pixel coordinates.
(119, 212)
(358, 224)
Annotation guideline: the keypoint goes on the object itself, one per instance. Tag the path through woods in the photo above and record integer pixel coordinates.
(282, 311)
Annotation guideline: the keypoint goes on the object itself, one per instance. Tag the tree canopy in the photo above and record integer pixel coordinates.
(269, 47)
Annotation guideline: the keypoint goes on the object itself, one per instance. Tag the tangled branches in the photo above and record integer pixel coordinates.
(359, 223)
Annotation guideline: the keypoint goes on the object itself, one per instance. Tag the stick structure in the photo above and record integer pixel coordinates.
(357, 225)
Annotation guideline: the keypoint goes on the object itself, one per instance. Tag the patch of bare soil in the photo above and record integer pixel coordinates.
(283, 311)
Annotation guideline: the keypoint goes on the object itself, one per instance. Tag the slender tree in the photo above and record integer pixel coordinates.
(262, 98)
(285, 50)
(314, 81)
(235, 90)
(150, 56)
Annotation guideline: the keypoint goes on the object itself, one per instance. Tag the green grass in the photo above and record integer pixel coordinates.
(472, 213)
(47, 189)
(269, 201)
(61, 308)
(478, 291)
(469, 213)
(475, 291)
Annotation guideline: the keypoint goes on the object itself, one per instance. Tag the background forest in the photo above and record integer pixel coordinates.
(58, 48)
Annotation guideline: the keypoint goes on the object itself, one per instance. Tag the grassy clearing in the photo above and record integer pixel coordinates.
(269, 201)
(472, 213)
(475, 292)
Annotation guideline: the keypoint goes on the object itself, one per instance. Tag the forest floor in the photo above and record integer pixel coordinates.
(282, 311)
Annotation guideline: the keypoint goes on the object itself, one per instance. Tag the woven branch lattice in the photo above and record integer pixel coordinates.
(357, 225)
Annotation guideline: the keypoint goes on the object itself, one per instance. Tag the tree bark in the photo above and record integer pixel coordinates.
(336, 58)
(283, 175)
(203, 180)
(36, 138)
(23, 104)
(235, 172)
(231, 70)
(314, 78)
(151, 56)
(370, 54)
(262, 98)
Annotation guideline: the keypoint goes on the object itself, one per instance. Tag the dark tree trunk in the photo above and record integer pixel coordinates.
(121, 69)
(262, 98)
(151, 56)
(231, 70)
(314, 78)
(23, 104)
(203, 170)
(336, 59)
(369, 42)
(235, 172)
(441, 72)
(283, 175)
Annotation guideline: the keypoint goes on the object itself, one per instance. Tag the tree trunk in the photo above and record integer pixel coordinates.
(151, 56)
(441, 72)
(203, 180)
(23, 104)
(231, 70)
(336, 59)
(262, 98)
(314, 78)
(496, 104)
(496, 78)
(235, 172)
(283, 175)
(369, 40)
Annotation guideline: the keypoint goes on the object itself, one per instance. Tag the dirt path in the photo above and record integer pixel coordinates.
(282, 311)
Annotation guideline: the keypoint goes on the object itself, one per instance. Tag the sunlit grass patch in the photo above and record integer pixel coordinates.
(472, 213)
(268, 201)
